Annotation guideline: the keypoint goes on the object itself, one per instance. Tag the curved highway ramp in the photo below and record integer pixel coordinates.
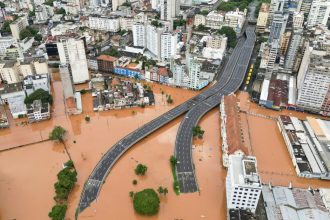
(233, 77)
(96, 179)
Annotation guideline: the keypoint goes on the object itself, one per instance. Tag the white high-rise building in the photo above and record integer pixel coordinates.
(313, 81)
(6, 42)
(41, 14)
(116, 4)
(179, 70)
(319, 13)
(72, 53)
(111, 24)
(17, 26)
(168, 45)
(139, 39)
(153, 39)
(194, 72)
(243, 185)
(169, 9)
(293, 49)
(298, 20)
(155, 4)
(278, 26)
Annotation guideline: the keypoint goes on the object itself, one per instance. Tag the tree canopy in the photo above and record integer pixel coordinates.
(61, 11)
(49, 2)
(58, 212)
(146, 202)
(57, 133)
(197, 131)
(232, 5)
(112, 52)
(178, 23)
(230, 34)
(204, 12)
(38, 37)
(39, 94)
(6, 27)
(2, 5)
(156, 23)
(28, 32)
(141, 169)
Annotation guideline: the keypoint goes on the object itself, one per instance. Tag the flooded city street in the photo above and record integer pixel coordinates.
(26, 188)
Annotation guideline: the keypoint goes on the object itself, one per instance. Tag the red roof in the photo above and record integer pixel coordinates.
(107, 58)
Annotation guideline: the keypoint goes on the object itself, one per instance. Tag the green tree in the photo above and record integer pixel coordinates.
(2, 5)
(61, 11)
(39, 94)
(146, 202)
(141, 169)
(38, 37)
(156, 23)
(230, 34)
(204, 12)
(27, 32)
(160, 190)
(165, 191)
(49, 2)
(6, 27)
(87, 118)
(197, 131)
(58, 212)
(57, 134)
(131, 194)
(169, 100)
(173, 160)
(112, 52)
(178, 23)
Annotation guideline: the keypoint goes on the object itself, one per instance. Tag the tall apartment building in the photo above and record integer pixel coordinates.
(319, 13)
(169, 9)
(293, 49)
(214, 20)
(305, 6)
(313, 81)
(284, 43)
(179, 70)
(278, 25)
(262, 18)
(115, 3)
(243, 185)
(235, 19)
(111, 24)
(199, 20)
(194, 72)
(139, 35)
(168, 45)
(72, 52)
(6, 42)
(297, 20)
(275, 6)
(17, 26)
(153, 39)
(9, 72)
(41, 14)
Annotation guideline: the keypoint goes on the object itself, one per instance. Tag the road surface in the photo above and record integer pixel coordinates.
(235, 71)
(96, 179)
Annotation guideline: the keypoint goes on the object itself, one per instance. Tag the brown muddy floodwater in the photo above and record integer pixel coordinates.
(27, 174)
(274, 162)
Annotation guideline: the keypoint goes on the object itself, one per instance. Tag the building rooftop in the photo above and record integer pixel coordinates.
(9, 88)
(285, 203)
(107, 58)
(244, 170)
